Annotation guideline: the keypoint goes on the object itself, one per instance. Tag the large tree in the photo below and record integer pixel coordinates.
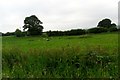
(105, 23)
(33, 25)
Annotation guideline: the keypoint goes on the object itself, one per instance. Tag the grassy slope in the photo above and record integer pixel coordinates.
(109, 41)
(67, 56)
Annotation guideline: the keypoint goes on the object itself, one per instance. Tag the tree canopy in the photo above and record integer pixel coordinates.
(106, 23)
(33, 24)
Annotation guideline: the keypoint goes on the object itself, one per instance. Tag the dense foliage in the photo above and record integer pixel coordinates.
(19, 33)
(33, 24)
(8, 34)
(66, 33)
(97, 30)
(106, 23)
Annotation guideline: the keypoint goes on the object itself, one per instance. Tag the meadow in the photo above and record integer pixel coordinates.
(84, 56)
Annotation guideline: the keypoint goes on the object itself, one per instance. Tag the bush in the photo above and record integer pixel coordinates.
(97, 30)
(8, 34)
(112, 29)
(45, 35)
(67, 33)
(19, 33)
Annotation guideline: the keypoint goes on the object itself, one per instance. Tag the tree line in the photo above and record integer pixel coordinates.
(33, 26)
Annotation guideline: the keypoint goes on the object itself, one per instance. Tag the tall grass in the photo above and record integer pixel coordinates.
(86, 56)
(64, 62)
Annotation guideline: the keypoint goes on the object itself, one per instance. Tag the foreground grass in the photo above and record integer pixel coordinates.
(59, 63)
(94, 56)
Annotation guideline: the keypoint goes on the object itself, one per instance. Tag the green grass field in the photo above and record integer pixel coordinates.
(84, 56)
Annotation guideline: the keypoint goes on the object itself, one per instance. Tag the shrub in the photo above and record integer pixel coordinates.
(19, 33)
(97, 30)
(112, 29)
(67, 33)
(8, 34)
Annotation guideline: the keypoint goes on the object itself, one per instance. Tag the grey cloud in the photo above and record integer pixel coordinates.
(57, 14)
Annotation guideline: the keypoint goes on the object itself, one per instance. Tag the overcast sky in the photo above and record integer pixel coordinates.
(57, 14)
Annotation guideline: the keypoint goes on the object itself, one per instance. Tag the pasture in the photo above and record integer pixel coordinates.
(84, 56)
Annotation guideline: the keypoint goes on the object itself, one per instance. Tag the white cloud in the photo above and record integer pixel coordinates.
(57, 14)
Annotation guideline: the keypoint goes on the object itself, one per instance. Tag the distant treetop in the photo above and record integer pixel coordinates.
(106, 23)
